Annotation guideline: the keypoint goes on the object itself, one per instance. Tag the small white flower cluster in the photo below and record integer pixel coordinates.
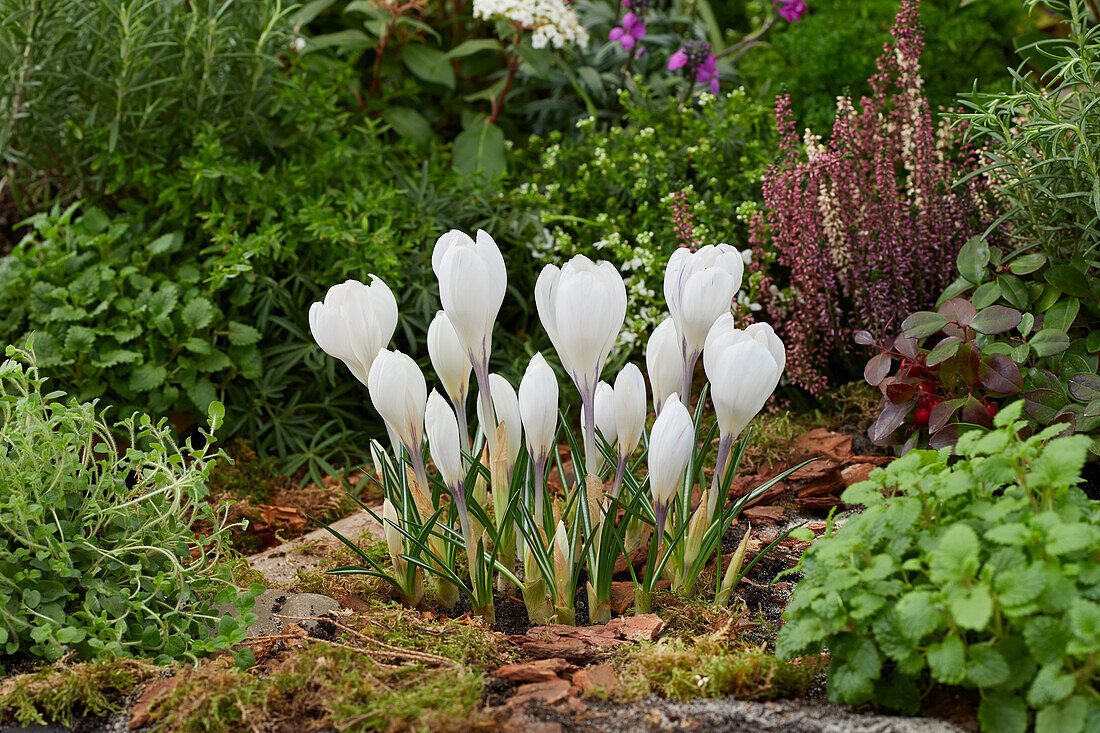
(553, 21)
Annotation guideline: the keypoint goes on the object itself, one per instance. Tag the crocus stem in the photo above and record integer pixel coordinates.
(591, 459)
(463, 428)
(724, 443)
(689, 373)
(485, 397)
(540, 488)
(620, 471)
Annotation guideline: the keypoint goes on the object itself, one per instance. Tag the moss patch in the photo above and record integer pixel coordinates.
(322, 686)
(61, 693)
(711, 667)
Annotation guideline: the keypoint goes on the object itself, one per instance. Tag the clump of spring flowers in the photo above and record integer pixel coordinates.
(869, 224)
(697, 58)
(552, 22)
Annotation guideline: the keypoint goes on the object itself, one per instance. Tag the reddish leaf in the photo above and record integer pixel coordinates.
(900, 390)
(1043, 404)
(958, 310)
(974, 412)
(996, 319)
(877, 368)
(906, 346)
(968, 362)
(941, 414)
(889, 420)
(1000, 374)
(1084, 387)
(945, 437)
(864, 338)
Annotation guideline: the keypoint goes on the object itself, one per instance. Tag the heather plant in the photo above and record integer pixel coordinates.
(99, 550)
(981, 572)
(866, 225)
(1036, 268)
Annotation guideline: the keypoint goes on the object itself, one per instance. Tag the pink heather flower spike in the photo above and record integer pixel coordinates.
(632, 30)
(791, 10)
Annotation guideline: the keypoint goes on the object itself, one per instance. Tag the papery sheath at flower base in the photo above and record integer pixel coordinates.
(744, 368)
(506, 408)
(353, 322)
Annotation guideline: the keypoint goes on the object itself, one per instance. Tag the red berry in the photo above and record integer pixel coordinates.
(913, 371)
(920, 415)
(991, 409)
(927, 388)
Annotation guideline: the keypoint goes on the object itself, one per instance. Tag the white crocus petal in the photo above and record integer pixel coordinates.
(391, 521)
(630, 406)
(670, 447)
(506, 406)
(664, 362)
(399, 394)
(765, 334)
(472, 283)
(582, 307)
(449, 359)
(743, 378)
(354, 322)
(682, 287)
(443, 441)
(563, 549)
(538, 406)
(724, 333)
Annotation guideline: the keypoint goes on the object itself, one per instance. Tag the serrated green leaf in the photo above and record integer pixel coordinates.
(956, 555)
(1067, 717)
(970, 607)
(242, 335)
(1046, 638)
(1013, 533)
(146, 377)
(1072, 537)
(947, 660)
(1002, 712)
(917, 614)
(197, 313)
(985, 666)
(1052, 684)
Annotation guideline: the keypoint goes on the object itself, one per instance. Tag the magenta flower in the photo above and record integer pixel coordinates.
(791, 10)
(696, 55)
(631, 31)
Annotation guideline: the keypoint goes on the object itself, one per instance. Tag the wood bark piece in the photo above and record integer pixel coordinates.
(596, 677)
(541, 670)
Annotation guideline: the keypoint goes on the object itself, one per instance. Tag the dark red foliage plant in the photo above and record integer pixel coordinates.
(867, 225)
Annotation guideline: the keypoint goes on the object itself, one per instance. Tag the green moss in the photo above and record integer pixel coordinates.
(711, 668)
(59, 694)
(466, 643)
(325, 685)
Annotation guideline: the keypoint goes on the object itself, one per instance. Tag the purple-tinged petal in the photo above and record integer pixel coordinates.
(677, 60)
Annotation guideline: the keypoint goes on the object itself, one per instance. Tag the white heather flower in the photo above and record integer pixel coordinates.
(553, 22)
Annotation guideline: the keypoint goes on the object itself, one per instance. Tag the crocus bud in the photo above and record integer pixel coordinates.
(449, 359)
(743, 368)
(699, 287)
(472, 282)
(670, 447)
(629, 409)
(506, 406)
(443, 441)
(582, 307)
(354, 322)
(399, 393)
(391, 521)
(664, 362)
(538, 407)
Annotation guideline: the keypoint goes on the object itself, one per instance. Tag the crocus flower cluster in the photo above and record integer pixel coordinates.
(582, 306)
(697, 58)
(791, 10)
(869, 223)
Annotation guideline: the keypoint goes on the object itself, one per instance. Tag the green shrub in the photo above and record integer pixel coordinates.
(983, 573)
(832, 51)
(89, 90)
(98, 549)
(611, 193)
